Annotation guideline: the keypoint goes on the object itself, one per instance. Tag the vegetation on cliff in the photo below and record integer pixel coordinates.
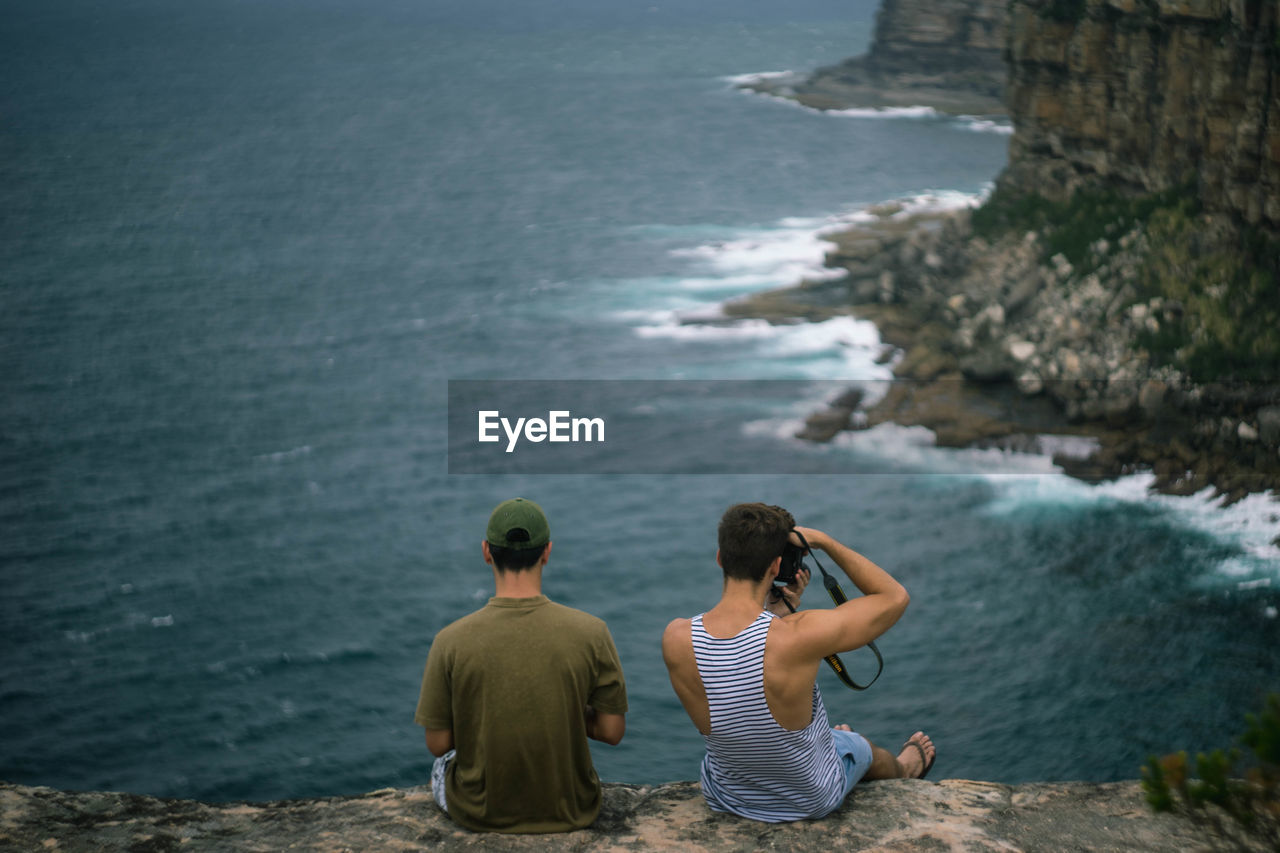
(1219, 282)
(1226, 788)
(1231, 325)
(1126, 270)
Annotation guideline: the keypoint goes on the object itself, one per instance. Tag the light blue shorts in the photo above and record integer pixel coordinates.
(855, 756)
(437, 778)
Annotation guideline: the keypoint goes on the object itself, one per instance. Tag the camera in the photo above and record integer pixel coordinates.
(792, 558)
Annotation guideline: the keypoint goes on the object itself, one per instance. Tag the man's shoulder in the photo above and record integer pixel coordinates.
(678, 629)
(459, 626)
(677, 641)
(573, 616)
(566, 620)
(797, 636)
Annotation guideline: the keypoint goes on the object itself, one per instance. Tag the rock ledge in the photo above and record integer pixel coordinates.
(902, 815)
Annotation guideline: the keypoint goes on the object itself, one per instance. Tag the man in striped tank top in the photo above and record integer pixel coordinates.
(746, 673)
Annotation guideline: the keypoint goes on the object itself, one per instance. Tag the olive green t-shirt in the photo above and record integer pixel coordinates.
(512, 681)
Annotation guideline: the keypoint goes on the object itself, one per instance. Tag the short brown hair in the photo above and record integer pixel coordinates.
(750, 537)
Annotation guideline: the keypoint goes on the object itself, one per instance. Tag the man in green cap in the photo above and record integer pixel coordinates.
(512, 691)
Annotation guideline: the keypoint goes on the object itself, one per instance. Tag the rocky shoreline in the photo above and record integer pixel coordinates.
(851, 86)
(1135, 254)
(944, 54)
(898, 815)
(997, 348)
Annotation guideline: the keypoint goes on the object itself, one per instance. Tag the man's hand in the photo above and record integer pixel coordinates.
(791, 593)
(811, 535)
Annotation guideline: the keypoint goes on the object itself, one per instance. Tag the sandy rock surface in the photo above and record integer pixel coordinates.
(903, 815)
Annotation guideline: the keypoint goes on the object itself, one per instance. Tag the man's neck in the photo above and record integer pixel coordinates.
(524, 584)
(742, 598)
(740, 604)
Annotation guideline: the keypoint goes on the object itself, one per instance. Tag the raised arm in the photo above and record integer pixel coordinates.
(858, 621)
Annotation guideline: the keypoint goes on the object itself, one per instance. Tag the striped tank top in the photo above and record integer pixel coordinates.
(754, 767)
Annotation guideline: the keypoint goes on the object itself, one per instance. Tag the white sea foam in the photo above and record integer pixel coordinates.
(838, 348)
(939, 201)
(688, 306)
(836, 333)
(795, 248)
(782, 81)
(746, 282)
(914, 449)
(802, 222)
(705, 332)
(1258, 514)
(783, 249)
(979, 124)
(652, 317)
(763, 76)
(1250, 524)
(1028, 479)
(886, 112)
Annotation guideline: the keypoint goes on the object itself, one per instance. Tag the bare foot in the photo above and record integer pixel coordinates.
(917, 756)
(843, 727)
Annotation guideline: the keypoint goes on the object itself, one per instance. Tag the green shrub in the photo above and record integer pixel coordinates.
(1071, 228)
(1005, 211)
(1250, 799)
(1262, 733)
(1229, 326)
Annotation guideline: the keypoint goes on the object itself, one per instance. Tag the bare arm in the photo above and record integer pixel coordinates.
(682, 668)
(439, 741)
(607, 728)
(858, 621)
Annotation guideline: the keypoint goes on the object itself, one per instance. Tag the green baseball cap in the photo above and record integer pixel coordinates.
(518, 524)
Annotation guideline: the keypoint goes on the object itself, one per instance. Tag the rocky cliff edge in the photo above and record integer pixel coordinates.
(900, 815)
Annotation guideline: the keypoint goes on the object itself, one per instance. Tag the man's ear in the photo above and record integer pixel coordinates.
(546, 554)
(774, 567)
(484, 549)
(718, 563)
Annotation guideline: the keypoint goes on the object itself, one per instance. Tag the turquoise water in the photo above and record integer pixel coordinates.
(243, 248)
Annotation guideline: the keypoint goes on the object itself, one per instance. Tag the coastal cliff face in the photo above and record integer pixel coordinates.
(951, 41)
(1145, 95)
(902, 815)
(947, 54)
(1127, 267)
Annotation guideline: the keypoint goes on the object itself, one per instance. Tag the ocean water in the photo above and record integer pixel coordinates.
(244, 246)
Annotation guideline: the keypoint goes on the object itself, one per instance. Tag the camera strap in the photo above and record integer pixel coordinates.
(838, 596)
